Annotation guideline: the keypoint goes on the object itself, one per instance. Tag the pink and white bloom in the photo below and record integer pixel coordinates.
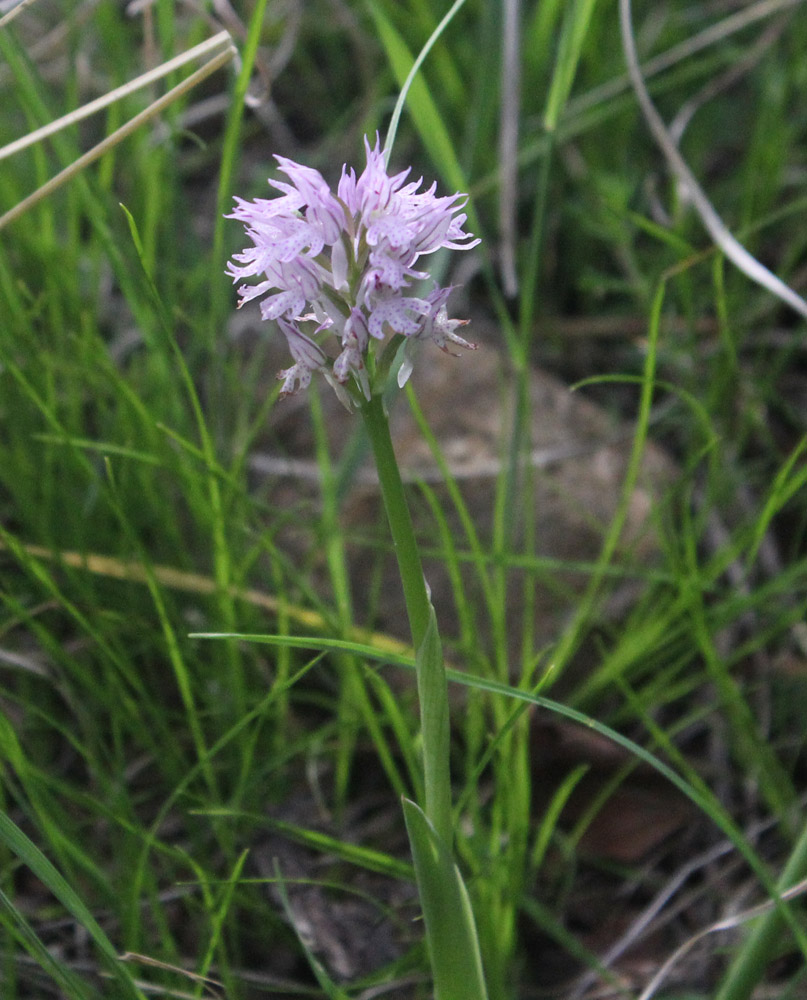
(346, 263)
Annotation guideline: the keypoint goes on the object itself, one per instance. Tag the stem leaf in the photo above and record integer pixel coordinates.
(450, 929)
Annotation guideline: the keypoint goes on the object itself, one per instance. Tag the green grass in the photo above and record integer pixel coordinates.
(145, 772)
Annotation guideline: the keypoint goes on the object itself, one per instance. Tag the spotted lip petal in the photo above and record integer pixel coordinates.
(344, 262)
(393, 311)
(294, 379)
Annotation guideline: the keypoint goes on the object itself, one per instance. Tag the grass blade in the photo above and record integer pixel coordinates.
(30, 855)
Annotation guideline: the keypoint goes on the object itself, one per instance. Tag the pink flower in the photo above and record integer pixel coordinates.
(347, 262)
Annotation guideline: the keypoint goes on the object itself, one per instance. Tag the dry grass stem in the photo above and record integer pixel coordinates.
(197, 583)
(727, 924)
(714, 225)
(9, 17)
(119, 134)
(219, 43)
(508, 143)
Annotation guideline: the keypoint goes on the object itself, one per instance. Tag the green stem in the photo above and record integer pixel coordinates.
(400, 520)
(431, 677)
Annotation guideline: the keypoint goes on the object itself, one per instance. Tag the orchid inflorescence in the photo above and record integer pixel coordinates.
(342, 264)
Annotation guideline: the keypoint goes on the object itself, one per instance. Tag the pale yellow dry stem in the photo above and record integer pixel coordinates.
(221, 41)
(213, 64)
(8, 18)
(197, 583)
(206, 981)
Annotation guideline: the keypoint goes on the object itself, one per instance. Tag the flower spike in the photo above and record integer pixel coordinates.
(346, 262)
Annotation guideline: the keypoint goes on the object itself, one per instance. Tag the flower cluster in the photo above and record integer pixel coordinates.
(342, 265)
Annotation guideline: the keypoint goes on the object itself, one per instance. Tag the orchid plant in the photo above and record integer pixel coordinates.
(335, 271)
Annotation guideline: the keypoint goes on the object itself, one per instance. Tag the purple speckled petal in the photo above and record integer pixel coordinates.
(303, 349)
(394, 312)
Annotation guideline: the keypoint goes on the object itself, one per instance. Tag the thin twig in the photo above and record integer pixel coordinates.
(679, 53)
(727, 924)
(736, 71)
(730, 246)
(639, 926)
